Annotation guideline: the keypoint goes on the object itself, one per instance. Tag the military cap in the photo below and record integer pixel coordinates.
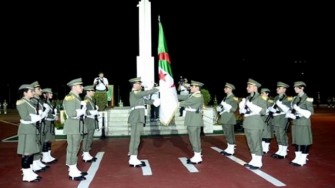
(265, 90)
(254, 82)
(282, 84)
(35, 84)
(134, 80)
(77, 81)
(299, 83)
(46, 90)
(230, 85)
(196, 83)
(26, 86)
(89, 88)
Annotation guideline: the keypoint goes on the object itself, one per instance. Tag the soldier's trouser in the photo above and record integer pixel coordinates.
(88, 140)
(229, 133)
(254, 140)
(194, 136)
(73, 145)
(281, 135)
(267, 132)
(135, 135)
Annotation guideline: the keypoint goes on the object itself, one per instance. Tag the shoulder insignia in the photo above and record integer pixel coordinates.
(235, 98)
(86, 100)
(69, 98)
(289, 98)
(197, 95)
(270, 101)
(19, 102)
(136, 92)
(264, 98)
(309, 99)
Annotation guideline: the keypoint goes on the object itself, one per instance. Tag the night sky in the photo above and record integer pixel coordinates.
(211, 42)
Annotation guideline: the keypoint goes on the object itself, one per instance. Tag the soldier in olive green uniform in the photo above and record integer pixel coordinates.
(267, 134)
(253, 107)
(278, 110)
(74, 127)
(193, 104)
(28, 139)
(48, 130)
(227, 109)
(301, 110)
(91, 122)
(42, 110)
(136, 118)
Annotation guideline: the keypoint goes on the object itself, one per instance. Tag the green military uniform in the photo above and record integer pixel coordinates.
(193, 105)
(74, 127)
(227, 116)
(48, 131)
(301, 108)
(136, 117)
(91, 121)
(28, 135)
(268, 129)
(253, 122)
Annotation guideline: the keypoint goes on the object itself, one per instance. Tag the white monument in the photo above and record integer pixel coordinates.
(145, 61)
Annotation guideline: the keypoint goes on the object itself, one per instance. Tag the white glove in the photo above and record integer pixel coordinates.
(157, 102)
(242, 110)
(303, 112)
(223, 103)
(97, 107)
(40, 112)
(290, 115)
(242, 104)
(80, 112)
(55, 111)
(35, 118)
(44, 114)
(282, 106)
(254, 108)
(271, 109)
(94, 112)
(218, 108)
(227, 107)
(46, 106)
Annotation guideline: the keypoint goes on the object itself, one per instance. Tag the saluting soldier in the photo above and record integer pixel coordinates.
(267, 134)
(227, 109)
(42, 109)
(74, 127)
(193, 104)
(48, 131)
(278, 111)
(28, 139)
(136, 117)
(91, 122)
(253, 107)
(301, 111)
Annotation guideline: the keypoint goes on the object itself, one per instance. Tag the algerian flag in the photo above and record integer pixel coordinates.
(168, 91)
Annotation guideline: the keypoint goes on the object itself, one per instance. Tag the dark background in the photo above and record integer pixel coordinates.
(209, 41)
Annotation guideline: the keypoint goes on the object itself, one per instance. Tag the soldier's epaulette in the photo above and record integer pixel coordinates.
(235, 98)
(309, 99)
(197, 95)
(86, 101)
(270, 101)
(289, 98)
(69, 97)
(19, 102)
(136, 91)
(264, 98)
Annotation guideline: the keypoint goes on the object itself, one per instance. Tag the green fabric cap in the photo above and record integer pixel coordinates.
(35, 84)
(46, 90)
(26, 86)
(134, 80)
(254, 82)
(265, 90)
(196, 83)
(77, 81)
(299, 83)
(230, 85)
(282, 84)
(89, 88)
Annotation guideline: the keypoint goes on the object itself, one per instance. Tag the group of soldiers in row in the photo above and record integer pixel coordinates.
(36, 131)
(264, 119)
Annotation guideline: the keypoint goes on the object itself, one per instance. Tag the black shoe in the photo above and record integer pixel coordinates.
(190, 162)
(78, 178)
(253, 167)
(139, 165)
(84, 173)
(225, 153)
